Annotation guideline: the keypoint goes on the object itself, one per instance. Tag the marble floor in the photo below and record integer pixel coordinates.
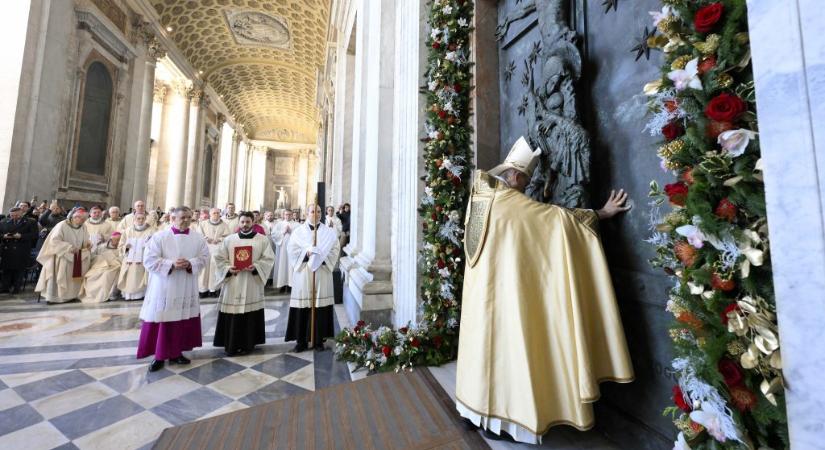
(69, 378)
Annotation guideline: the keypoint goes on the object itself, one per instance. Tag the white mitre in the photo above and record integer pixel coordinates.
(521, 157)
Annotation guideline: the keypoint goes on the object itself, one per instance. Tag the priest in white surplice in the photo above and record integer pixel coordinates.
(214, 230)
(282, 235)
(65, 257)
(139, 207)
(100, 282)
(231, 218)
(171, 309)
(98, 228)
(132, 279)
(309, 253)
(241, 305)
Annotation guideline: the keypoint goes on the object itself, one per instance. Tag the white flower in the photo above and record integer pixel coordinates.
(444, 272)
(710, 420)
(455, 216)
(449, 107)
(735, 141)
(658, 16)
(680, 443)
(452, 323)
(447, 10)
(428, 190)
(433, 134)
(687, 77)
(693, 234)
(462, 22)
(398, 350)
(434, 33)
(446, 164)
(432, 85)
(452, 56)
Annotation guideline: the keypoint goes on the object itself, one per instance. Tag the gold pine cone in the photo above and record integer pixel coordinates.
(680, 62)
(724, 80)
(709, 46)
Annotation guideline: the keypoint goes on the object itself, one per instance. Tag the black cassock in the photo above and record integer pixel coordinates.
(15, 254)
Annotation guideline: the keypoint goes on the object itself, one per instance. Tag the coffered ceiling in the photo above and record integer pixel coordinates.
(260, 56)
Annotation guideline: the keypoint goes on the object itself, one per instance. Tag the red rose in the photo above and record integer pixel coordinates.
(722, 284)
(457, 251)
(725, 107)
(731, 307)
(456, 181)
(403, 330)
(706, 65)
(679, 399)
(386, 350)
(671, 105)
(414, 342)
(726, 210)
(687, 176)
(436, 45)
(457, 87)
(360, 324)
(437, 341)
(672, 130)
(368, 336)
(713, 129)
(441, 264)
(742, 398)
(731, 372)
(433, 216)
(707, 17)
(442, 114)
(677, 193)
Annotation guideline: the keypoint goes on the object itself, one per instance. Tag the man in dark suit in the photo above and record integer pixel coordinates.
(18, 235)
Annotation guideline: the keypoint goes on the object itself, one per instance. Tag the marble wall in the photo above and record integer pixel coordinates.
(788, 50)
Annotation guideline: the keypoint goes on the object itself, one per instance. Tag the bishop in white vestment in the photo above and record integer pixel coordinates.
(313, 249)
(214, 230)
(133, 277)
(65, 257)
(244, 260)
(100, 282)
(171, 308)
(282, 235)
(98, 228)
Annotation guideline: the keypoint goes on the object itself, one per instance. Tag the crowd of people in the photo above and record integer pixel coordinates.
(171, 259)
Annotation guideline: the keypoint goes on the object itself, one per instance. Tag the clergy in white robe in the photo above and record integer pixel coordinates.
(98, 228)
(138, 207)
(171, 308)
(114, 217)
(334, 222)
(240, 324)
(231, 218)
(214, 231)
(283, 231)
(313, 250)
(65, 257)
(100, 282)
(133, 277)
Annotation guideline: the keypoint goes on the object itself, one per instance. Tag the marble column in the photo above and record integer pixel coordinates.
(405, 183)
(153, 179)
(179, 144)
(303, 179)
(200, 162)
(369, 286)
(193, 146)
(788, 50)
(142, 158)
(233, 167)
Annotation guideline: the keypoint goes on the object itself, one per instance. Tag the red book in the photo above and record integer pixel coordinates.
(243, 257)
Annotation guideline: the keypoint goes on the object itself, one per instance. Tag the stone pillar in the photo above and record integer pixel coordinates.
(154, 51)
(484, 101)
(405, 182)
(193, 146)
(789, 66)
(179, 143)
(303, 180)
(233, 167)
(200, 162)
(369, 287)
(153, 179)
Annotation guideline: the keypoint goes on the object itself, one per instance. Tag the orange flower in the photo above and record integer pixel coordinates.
(685, 252)
(690, 320)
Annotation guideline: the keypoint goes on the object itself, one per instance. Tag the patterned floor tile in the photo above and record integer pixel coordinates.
(242, 383)
(162, 391)
(133, 379)
(191, 406)
(67, 446)
(281, 366)
(130, 433)
(17, 418)
(36, 437)
(275, 391)
(10, 399)
(68, 401)
(213, 371)
(228, 408)
(53, 385)
(28, 377)
(303, 378)
(95, 416)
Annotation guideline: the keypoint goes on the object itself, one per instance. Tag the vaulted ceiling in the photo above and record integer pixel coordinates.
(261, 56)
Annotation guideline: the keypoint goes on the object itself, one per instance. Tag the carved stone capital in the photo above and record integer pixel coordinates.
(159, 92)
(221, 120)
(181, 87)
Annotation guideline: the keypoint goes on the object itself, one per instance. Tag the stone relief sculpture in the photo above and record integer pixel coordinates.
(250, 27)
(549, 104)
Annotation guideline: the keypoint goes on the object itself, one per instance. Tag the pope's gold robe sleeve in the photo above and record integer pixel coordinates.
(586, 217)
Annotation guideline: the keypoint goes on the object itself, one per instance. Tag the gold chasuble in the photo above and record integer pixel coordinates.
(540, 327)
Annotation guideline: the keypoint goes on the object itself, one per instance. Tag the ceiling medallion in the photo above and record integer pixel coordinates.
(259, 29)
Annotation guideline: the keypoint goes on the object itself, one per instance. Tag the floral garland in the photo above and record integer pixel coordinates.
(447, 160)
(714, 242)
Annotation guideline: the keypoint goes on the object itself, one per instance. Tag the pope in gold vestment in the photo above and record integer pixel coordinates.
(540, 327)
